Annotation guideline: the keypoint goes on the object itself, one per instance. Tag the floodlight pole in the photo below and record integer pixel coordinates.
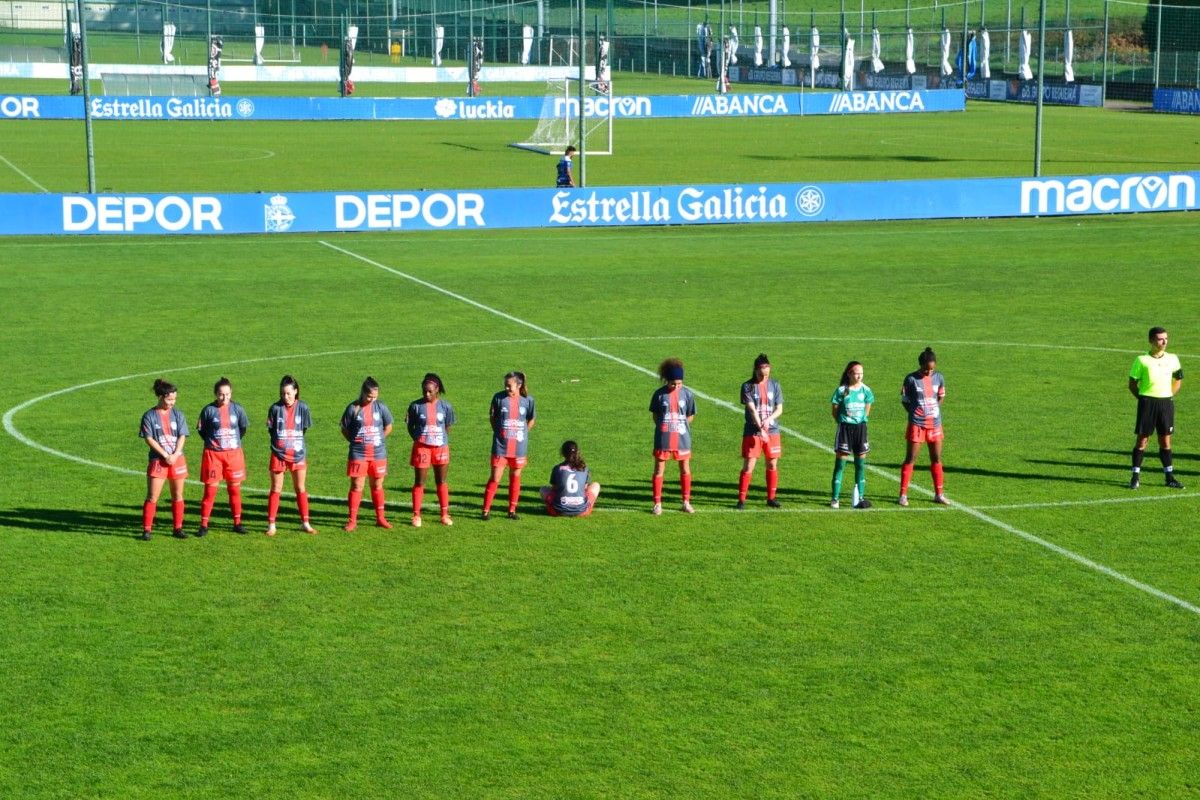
(1041, 77)
(87, 99)
(582, 84)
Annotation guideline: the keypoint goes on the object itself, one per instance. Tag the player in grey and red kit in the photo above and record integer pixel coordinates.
(165, 430)
(222, 426)
(366, 424)
(287, 421)
(672, 407)
(512, 414)
(921, 396)
(429, 420)
(762, 398)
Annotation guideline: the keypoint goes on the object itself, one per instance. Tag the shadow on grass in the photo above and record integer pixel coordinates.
(126, 523)
(717, 492)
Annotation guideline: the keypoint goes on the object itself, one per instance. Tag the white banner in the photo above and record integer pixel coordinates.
(526, 43)
(985, 54)
(876, 49)
(1069, 56)
(758, 46)
(1026, 43)
(910, 66)
(439, 39)
(168, 42)
(787, 45)
(946, 68)
(260, 39)
(814, 50)
(848, 66)
(352, 35)
(733, 44)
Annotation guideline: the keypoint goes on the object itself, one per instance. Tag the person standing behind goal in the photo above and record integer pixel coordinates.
(1154, 379)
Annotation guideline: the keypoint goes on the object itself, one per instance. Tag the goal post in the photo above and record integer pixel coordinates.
(561, 119)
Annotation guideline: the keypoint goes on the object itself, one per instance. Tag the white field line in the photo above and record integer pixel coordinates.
(969, 510)
(24, 175)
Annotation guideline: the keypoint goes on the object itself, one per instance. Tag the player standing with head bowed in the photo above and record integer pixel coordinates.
(287, 421)
(222, 426)
(922, 395)
(571, 492)
(366, 424)
(512, 415)
(672, 406)
(165, 431)
(851, 404)
(1155, 379)
(762, 397)
(564, 179)
(429, 420)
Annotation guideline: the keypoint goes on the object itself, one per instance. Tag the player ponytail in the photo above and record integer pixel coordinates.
(163, 387)
(671, 369)
(927, 357)
(222, 382)
(368, 385)
(432, 377)
(288, 380)
(570, 453)
(519, 377)
(846, 379)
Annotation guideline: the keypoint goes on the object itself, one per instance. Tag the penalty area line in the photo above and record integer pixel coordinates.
(971, 511)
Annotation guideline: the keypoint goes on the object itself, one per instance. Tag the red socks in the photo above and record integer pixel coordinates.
(936, 471)
(377, 501)
(772, 483)
(685, 486)
(489, 494)
(743, 486)
(302, 504)
(176, 514)
(514, 492)
(206, 504)
(235, 502)
(272, 507)
(418, 497)
(443, 493)
(657, 482)
(148, 511)
(354, 499)
(906, 472)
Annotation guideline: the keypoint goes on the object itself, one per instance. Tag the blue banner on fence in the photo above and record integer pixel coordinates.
(459, 108)
(609, 206)
(1177, 101)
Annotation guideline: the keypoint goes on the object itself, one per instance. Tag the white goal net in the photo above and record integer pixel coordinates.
(561, 118)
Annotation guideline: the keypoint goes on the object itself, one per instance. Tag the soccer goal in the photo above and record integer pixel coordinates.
(561, 119)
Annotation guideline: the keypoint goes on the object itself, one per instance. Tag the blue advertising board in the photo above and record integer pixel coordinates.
(1177, 101)
(460, 108)
(310, 212)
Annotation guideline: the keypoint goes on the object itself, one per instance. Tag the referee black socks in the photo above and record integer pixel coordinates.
(1138, 455)
(1165, 457)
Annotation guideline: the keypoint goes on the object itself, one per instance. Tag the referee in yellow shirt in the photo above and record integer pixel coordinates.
(1154, 379)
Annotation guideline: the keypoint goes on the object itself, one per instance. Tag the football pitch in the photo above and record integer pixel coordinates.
(1038, 638)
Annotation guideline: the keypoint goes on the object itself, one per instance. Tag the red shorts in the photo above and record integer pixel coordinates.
(755, 446)
(916, 433)
(223, 465)
(512, 462)
(161, 469)
(672, 455)
(550, 497)
(375, 468)
(279, 465)
(423, 456)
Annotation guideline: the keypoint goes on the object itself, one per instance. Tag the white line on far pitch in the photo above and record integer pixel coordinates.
(968, 510)
(24, 175)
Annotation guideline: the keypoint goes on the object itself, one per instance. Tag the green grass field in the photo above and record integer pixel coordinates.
(1037, 639)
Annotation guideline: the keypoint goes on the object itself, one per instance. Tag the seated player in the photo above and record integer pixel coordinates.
(570, 493)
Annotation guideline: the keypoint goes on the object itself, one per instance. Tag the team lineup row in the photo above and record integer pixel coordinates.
(367, 423)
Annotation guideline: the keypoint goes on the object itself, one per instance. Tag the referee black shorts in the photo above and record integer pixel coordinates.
(1155, 415)
(851, 439)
